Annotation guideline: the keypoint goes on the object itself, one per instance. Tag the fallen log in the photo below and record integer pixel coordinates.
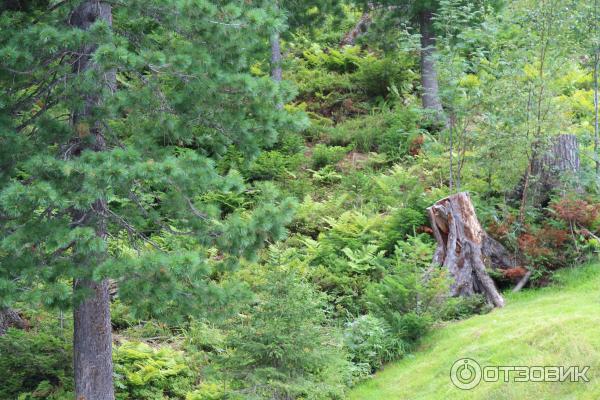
(460, 248)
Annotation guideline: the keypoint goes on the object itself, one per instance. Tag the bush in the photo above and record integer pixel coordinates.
(143, 372)
(463, 307)
(376, 76)
(310, 216)
(274, 165)
(281, 346)
(402, 223)
(327, 155)
(371, 343)
(35, 365)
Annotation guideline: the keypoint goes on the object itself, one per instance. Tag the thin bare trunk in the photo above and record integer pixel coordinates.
(596, 116)
(451, 182)
(524, 195)
(522, 282)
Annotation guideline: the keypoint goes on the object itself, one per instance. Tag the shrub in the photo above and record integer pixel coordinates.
(281, 346)
(463, 307)
(274, 165)
(144, 372)
(376, 76)
(35, 365)
(402, 223)
(371, 343)
(310, 216)
(327, 176)
(327, 155)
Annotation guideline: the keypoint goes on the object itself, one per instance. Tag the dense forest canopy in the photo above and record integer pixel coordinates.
(232, 199)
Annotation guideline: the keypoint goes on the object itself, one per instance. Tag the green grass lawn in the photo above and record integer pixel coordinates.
(557, 325)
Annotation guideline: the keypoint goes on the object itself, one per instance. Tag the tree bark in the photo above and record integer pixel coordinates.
(429, 79)
(545, 173)
(460, 244)
(276, 58)
(9, 318)
(92, 337)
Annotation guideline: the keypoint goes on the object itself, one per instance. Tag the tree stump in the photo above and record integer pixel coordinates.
(460, 247)
(547, 170)
(10, 319)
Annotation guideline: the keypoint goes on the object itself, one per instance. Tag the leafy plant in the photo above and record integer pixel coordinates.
(324, 155)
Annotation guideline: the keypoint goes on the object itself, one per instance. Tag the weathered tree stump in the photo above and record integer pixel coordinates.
(10, 319)
(546, 171)
(460, 248)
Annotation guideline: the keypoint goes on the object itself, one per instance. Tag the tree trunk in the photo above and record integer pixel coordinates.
(92, 343)
(92, 337)
(596, 114)
(545, 173)
(460, 244)
(276, 58)
(10, 319)
(431, 97)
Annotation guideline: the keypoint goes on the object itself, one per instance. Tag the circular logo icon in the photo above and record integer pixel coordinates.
(465, 373)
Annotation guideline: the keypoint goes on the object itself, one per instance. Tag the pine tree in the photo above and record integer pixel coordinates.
(111, 119)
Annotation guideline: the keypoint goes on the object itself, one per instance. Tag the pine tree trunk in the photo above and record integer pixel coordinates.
(92, 337)
(276, 58)
(431, 97)
(92, 343)
(460, 247)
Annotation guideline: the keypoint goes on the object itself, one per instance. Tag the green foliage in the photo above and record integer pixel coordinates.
(371, 342)
(340, 83)
(280, 346)
(463, 307)
(310, 216)
(273, 165)
(324, 155)
(401, 224)
(36, 364)
(210, 391)
(143, 372)
(169, 121)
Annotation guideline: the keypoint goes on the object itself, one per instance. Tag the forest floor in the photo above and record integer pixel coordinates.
(555, 326)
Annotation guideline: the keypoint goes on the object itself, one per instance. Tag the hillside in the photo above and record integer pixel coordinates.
(299, 200)
(557, 325)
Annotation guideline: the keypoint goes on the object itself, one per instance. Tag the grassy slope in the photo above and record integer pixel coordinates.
(558, 325)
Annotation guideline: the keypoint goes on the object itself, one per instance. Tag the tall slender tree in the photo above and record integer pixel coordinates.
(111, 119)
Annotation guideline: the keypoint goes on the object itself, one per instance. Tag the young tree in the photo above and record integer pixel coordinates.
(110, 121)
